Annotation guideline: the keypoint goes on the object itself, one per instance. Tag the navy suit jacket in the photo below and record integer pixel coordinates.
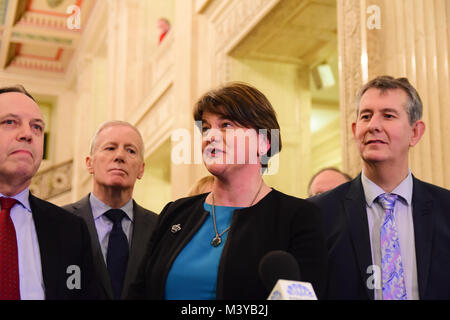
(348, 241)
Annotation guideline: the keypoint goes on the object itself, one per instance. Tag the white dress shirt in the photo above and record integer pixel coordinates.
(104, 225)
(30, 270)
(405, 228)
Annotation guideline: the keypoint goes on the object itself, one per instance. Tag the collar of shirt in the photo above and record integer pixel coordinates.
(99, 208)
(23, 198)
(372, 190)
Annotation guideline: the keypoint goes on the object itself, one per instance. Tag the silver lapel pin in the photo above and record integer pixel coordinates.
(175, 228)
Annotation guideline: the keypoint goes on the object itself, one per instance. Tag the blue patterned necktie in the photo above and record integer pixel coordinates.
(392, 269)
(117, 254)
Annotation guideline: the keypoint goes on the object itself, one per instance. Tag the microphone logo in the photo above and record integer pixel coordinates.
(276, 295)
(299, 290)
(292, 290)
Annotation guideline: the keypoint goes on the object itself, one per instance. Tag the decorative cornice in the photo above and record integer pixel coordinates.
(38, 65)
(41, 37)
(3, 9)
(232, 21)
(46, 18)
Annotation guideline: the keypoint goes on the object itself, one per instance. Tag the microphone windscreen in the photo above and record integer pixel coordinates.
(277, 265)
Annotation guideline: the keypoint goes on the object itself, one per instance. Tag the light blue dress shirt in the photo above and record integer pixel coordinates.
(104, 225)
(403, 220)
(30, 271)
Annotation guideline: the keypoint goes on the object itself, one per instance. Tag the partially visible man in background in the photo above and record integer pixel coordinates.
(326, 179)
(163, 26)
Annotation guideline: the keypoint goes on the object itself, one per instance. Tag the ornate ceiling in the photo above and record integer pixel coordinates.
(299, 32)
(39, 37)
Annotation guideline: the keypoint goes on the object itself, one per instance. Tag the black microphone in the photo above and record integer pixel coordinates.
(277, 265)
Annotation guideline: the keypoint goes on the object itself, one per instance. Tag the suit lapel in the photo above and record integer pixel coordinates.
(354, 204)
(422, 202)
(84, 210)
(46, 227)
(140, 237)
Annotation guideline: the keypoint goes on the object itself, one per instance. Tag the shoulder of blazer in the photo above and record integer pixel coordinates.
(282, 205)
(185, 209)
(184, 203)
(279, 199)
(434, 190)
(147, 218)
(82, 203)
(348, 190)
(336, 204)
(46, 210)
(141, 210)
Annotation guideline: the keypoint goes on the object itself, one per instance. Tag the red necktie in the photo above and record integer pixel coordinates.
(9, 261)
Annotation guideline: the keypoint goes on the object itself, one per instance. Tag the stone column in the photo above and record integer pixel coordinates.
(117, 57)
(185, 39)
(82, 128)
(350, 76)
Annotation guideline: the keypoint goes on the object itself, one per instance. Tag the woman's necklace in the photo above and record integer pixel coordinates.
(217, 239)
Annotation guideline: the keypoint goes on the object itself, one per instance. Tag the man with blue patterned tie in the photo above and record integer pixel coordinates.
(388, 232)
(42, 247)
(120, 229)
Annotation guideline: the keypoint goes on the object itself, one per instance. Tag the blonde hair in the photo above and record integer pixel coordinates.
(203, 185)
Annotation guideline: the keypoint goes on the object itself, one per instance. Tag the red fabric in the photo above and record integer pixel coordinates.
(161, 36)
(9, 261)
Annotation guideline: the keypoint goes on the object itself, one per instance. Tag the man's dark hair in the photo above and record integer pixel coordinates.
(244, 104)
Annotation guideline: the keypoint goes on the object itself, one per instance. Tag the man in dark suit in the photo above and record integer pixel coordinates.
(388, 233)
(42, 247)
(120, 229)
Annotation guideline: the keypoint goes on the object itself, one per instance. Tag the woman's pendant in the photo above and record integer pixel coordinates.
(216, 241)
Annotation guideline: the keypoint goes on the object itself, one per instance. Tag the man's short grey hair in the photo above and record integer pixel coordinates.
(116, 123)
(384, 83)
